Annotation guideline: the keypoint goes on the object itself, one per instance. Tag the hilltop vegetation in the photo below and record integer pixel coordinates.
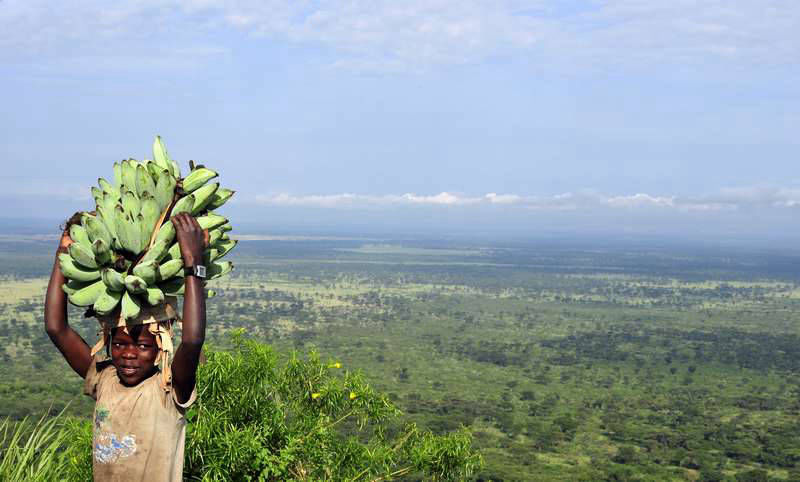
(564, 363)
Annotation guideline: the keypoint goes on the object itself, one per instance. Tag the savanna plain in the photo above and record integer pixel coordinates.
(566, 360)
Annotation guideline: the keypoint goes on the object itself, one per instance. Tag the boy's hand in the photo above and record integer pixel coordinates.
(65, 241)
(192, 239)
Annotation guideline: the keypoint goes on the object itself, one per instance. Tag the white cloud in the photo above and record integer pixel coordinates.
(639, 199)
(417, 34)
(443, 198)
(360, 200)
(725, 200)
(495, 198)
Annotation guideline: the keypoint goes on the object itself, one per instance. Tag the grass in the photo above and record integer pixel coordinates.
(52, 448)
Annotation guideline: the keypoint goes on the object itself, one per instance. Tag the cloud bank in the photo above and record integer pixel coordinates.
(730, 199)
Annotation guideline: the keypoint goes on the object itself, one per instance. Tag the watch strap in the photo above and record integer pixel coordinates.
(195, 270)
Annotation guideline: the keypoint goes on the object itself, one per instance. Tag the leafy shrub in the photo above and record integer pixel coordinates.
(262, 418)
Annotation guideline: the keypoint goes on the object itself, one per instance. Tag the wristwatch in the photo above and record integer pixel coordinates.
(195, 270)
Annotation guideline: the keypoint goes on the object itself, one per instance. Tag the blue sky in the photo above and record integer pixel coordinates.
(617, 116)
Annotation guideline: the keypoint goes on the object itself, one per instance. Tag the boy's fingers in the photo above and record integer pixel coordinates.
(178, 221)
(189, 222)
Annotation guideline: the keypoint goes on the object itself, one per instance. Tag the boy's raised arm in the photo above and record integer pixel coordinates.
(192, 239)
(67, 340)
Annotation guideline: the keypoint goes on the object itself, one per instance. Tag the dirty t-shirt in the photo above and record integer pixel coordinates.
(139, 431)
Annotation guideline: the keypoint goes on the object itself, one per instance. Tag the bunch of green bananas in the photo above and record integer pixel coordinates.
(125, 252)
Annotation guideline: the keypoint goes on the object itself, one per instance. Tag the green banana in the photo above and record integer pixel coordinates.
(144, 182)
(96, 229)
(173, 287)
(225, 247)
(133, 234)
(160, 155)
(88, 295)
(102, 252)
(130, 306)
(210, 255)
(146, 271)
(73, 286)
(154, 296)
(211, 221)
(97, 194)
(107, 301)
(74, 272)
(107, 187)
(197, 178)
(150, 215)
(82, 255)
(78, 235)
(165, 189)
(128, 175)
(144, 240)
(214, 235)
(127, 218)
(113, 279)
(131, 203)
(166, 233)
(156, 252)
(203, 196)
(135, 284)
(117, 175)
(154, 170)
(216, 270)
(108, 222)
(175, 170)
(109, 202)
(120, 221)
(127, 232)
(170, 269)
(220, 197)
(174, 251)
(184, 205)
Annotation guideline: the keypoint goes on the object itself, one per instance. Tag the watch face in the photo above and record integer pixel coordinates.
(200, 271)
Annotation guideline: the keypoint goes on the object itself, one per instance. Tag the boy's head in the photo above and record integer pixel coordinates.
(134, 353)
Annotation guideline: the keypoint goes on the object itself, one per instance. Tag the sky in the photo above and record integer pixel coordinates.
(629, 117)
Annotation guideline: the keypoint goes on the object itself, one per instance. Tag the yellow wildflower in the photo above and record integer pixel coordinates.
(316, 395)
(335, 365)
(353, 395)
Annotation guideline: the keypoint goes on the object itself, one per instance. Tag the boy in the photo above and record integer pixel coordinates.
(139, 424)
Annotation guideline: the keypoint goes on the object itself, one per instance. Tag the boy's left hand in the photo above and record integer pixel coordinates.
(64, 242)
(192, 239)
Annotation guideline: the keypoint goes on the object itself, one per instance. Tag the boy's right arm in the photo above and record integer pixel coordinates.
(68, 341)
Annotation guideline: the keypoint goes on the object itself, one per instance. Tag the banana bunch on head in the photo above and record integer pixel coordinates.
(124, 253)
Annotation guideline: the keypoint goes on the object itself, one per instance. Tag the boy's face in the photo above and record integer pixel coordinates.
(133, 354)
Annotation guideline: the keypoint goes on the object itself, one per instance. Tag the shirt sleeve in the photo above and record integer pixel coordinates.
(94, 376)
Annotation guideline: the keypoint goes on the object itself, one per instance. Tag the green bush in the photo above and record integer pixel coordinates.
(262, 418)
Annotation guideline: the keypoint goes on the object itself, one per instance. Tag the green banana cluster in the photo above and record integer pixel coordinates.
(125, 253)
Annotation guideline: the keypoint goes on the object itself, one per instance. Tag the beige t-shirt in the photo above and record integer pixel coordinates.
(139, 432)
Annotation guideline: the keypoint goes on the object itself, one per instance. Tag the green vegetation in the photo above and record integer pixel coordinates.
(54, 448)
(257, 420)
(565, 363)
